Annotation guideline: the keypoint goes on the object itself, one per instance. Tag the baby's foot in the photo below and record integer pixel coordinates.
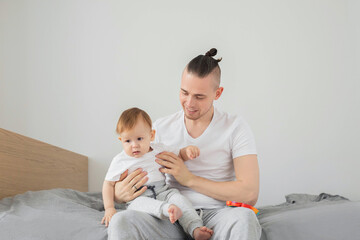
(202, 233)
(174, 213)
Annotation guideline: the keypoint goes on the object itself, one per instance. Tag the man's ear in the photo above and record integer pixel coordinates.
(218, 92)
(153, 135)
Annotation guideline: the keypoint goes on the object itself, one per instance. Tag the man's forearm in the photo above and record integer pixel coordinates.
(245, 189)
(226, 191)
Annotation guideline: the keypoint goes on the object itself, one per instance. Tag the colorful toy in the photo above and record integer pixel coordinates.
(237, 204)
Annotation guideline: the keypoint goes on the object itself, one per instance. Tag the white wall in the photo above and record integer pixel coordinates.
(291, 68)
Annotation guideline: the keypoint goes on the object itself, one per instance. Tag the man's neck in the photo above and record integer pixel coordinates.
(196, 128)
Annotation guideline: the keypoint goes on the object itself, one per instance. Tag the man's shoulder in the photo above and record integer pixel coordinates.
(170, 119)
(229, 118)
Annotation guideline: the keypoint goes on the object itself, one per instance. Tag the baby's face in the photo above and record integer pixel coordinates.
(136, 141)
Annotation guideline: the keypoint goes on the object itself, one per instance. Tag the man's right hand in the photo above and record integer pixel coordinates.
(126, 187)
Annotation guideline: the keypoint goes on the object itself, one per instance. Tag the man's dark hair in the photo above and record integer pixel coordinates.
(203, 65)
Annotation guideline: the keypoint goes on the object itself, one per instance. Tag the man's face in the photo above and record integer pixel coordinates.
(136, 141)
(197, 95)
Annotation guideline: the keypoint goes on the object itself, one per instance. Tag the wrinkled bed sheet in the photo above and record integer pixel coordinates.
(307, 217)
(68, 214)
(52, 214)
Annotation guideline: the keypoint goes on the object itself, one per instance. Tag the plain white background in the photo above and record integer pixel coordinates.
(291, 68)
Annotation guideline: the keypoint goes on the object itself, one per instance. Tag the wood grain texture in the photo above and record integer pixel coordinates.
(27, 164)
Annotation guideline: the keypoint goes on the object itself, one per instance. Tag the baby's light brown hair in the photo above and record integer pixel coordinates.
(129, 118)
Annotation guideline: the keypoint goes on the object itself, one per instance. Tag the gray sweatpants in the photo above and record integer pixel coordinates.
(227, 223)
(158, 207)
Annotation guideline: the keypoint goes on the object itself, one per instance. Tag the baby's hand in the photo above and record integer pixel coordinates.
(192, 152)
(108, 215)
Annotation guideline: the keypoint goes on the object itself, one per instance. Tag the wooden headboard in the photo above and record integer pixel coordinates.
(27, 164)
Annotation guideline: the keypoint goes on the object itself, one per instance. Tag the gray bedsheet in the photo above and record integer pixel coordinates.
(307, 217)
(52, 214)
(68, 214)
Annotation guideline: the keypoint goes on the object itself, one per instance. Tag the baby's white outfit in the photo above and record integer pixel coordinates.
(158, 197)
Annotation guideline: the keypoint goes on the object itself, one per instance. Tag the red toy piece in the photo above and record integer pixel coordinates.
(237, 204)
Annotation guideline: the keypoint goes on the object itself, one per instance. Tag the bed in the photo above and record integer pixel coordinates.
(43, 192)
(44, 195)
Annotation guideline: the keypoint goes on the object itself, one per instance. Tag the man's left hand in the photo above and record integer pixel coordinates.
(175, 166)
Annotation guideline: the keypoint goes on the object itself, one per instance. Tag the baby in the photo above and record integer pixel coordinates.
(136, 134)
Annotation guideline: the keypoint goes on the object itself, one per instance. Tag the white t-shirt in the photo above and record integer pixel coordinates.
(122, 161)
(227, 137)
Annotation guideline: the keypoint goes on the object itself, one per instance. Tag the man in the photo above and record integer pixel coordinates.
(227, 168)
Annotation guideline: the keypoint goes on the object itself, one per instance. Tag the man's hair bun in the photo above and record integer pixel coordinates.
(203, 65)
(212, 52)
